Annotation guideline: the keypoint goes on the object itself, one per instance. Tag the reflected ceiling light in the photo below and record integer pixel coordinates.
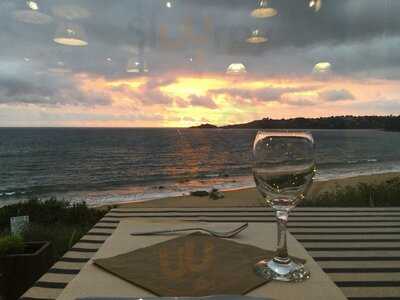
(70, 35)
(263, 11)
(27, 59)
(32, 5)
(168, 4)
(322, 68)
(256, 37)
(32, 17)
(71, 12)
(236, 69)
(135, 66)
(109, 59)
(315, 4)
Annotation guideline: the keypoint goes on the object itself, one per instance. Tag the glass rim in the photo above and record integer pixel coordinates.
(283, 133)
(285, 130)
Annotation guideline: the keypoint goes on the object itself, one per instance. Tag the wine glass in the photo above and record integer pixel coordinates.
(284, 166)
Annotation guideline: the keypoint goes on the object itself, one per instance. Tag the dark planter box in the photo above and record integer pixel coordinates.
(2, 287)
(20, 271)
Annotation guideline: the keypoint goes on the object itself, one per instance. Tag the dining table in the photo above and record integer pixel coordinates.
(93, 281)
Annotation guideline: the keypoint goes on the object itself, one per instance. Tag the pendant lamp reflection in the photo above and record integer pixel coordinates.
(263, 11)
(322, 68)
(136, 66)
(70, 35)
(236, 69)
(256, 37)
(32, 5)
(315, 4)
(32, 17)
(30, 14)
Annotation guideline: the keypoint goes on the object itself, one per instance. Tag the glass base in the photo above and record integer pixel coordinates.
(274, 270)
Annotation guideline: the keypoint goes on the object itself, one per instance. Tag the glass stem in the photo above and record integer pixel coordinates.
(281, 255)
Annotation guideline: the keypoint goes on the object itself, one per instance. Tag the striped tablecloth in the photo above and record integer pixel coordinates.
(359, 248)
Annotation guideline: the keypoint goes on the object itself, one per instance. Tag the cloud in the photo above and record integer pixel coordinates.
(387, 106)
(203, 101)
(181, 103)
(381, 106)
(267, 94)
(218, 30)
(68, 117)
(149, 93)
(48, 90)
(30, 115)
(360, 38)
(336, 95)
(298, 102)
(189, 119)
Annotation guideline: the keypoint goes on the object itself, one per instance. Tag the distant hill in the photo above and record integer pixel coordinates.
(208, 126)
(338, 122)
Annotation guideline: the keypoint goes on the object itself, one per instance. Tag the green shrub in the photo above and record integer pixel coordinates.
(11, 245)
(386, 193)
(57, 221)
(50, 212)
(62, 236)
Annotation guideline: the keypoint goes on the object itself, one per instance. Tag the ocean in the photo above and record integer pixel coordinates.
(117, 165)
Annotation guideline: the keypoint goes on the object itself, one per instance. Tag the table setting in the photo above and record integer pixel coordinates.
(150, 258)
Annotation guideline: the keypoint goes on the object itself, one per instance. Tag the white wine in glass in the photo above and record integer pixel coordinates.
(283, 169)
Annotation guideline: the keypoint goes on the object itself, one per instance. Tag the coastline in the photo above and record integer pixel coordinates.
(249, 197)
(238, 192)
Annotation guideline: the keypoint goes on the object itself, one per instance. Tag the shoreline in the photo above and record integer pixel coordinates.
(178, 194)
(249, 197)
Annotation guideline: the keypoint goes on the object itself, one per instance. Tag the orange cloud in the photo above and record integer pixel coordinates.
(185, 99)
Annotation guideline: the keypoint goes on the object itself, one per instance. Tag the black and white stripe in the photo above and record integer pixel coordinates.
(358, 247)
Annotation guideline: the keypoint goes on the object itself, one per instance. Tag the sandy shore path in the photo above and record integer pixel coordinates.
(249, 197)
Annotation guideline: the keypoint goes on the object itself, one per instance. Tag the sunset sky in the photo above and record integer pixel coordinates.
(187, 48)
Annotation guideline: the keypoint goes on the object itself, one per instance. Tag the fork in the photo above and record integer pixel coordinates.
(226, 234)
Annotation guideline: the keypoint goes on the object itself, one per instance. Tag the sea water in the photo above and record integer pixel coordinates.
(118, 165)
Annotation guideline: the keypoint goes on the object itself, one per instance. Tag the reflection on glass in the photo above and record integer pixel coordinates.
(257, 37)
(32, 17)
(263, 11)
(283, 170)
(168, 4)
(136, 66)
(32, 5)
(315, 4)
(70, 35)
(322, 68)
(236, 69)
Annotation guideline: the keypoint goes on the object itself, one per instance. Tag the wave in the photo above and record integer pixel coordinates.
(111, 184)
(326, 170)
(360, 161)
(343, 163)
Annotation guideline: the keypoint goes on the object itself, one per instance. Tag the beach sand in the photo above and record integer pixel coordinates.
(250, 197)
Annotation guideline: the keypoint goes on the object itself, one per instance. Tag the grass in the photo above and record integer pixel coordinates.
(382, 194)
(57, 221)
(11, 245)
